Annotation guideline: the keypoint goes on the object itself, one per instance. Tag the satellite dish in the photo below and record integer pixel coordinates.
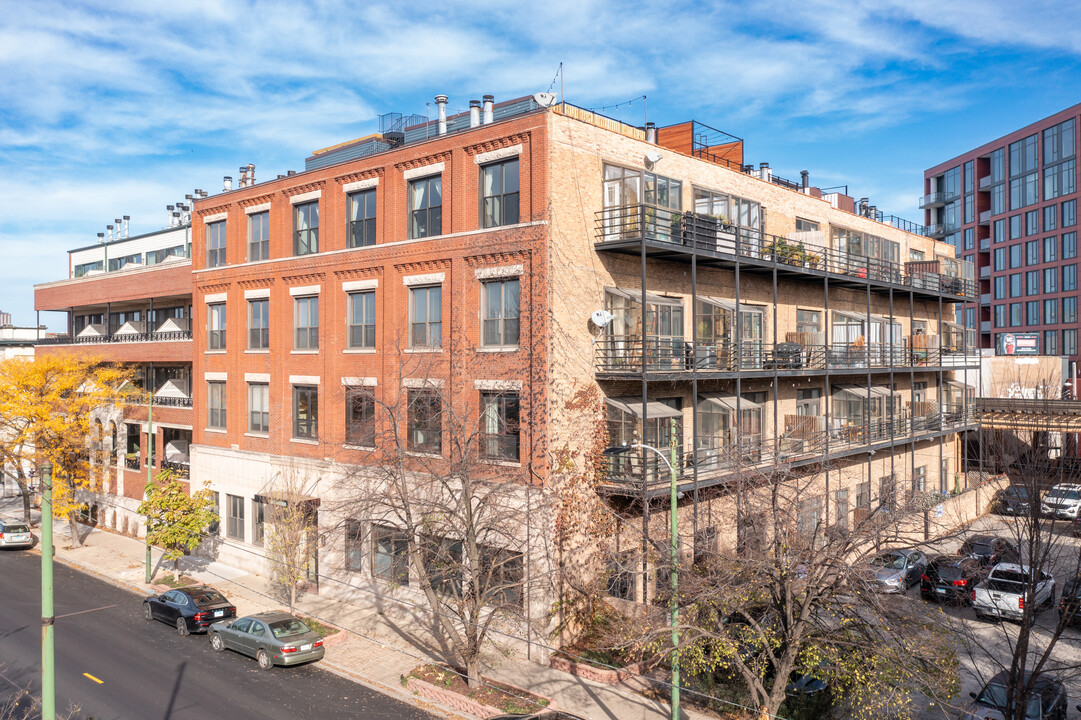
(652, 158)
(601, 318)
(545, 99)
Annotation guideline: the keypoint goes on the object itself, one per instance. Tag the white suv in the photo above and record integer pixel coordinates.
(1064, 501)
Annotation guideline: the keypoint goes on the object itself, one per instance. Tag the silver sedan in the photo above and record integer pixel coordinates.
(272, 638)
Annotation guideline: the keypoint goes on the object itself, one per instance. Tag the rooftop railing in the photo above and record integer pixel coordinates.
(170, 336)
(716, 236)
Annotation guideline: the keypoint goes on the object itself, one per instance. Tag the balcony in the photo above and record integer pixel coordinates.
(985, 245)
(939, 230)
(130, 462)
(985, 217)
(985, 326)
(666, 234)
(151, 337)
(985, 298)
(985, 182)
(182, 469)
(674, 358)
(933, 200)
(806, 442)
(985, 272)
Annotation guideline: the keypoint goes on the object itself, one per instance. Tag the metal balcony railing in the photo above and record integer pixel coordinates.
(182, 470)
(931, 200)
(171, 336)
(182, 402)
(754, 453)
(707, 234)
(132, 463)
(625, 356)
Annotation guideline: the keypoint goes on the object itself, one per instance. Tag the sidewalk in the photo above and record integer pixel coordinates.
(373, 652)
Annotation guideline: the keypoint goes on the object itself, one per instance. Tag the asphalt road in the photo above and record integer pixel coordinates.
(114, 665)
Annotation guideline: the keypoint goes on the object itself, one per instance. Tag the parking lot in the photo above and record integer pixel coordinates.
(980, 641)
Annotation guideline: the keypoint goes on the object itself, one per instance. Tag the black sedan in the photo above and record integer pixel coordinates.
(951, 578)
(191, 609)
(989, 550)
(1011, 500)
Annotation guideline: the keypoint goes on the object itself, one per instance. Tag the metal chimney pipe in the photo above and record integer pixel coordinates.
(110, 229)
(651, 133)
(474, 113)
(101, 238)
(805, 179)
(441, 103)
(251, 173)
(127, 223)
(169, 209)
(489, 109)
(227, 183)
(243, 176)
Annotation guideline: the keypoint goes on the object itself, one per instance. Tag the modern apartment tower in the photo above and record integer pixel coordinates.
(1009, 207)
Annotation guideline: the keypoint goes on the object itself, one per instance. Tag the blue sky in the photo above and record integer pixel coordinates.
(123, 107)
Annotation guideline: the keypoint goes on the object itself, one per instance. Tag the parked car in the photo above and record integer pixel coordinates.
(272, 638)
(1047, 701)
(190, 609)
(989, 550)
(15, 534)
(1063, 502)
(898, 570)
(1011, 500)
(951, 578)
(1069, 605)
(1004, 592)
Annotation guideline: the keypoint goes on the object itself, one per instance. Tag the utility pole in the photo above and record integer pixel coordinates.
(48, 679)
(149, 460)
(674, 603)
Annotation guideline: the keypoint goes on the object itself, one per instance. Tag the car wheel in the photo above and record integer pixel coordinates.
(181, 627)
(263, 657)
(147, 614)
(216, 642)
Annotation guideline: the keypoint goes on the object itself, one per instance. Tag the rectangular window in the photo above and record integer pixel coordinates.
(501, 311)
(1016, 255)
(1015, 285)
(215, 244)
(1069, 213)
(919, 479)
(970, 318)
(354, 545)
(1015, 315)
(1059, 142)
(504, 572)
(1000, 287)
(1050, 311)
(306, 323)
(998, 200)
(803, 225)
(426, 207)
(215, 326)
(426, 316)
(970, 238)
(1032, 312)
(841, 506)
(215, 403)
(258, 522)
(1032, 282)
(1050, 342)
(1016, 226)
(258, 407)
(234, 518)
(306, 228)
(153, 257)
(362, 320)
(808, 321)
(1050, 280)
(390, 555)
(1050, 249)
(500, 427)
(258, 324)
(1032, 222)
(1000, 259)
(1069, 342)
(259, 236)
(306, 412)
(425, 420)
(359, 417)
(1069, 278)
(499, 194)
(1023, 156)
(361, 230)
(1069, 245)
(1032, 252)
(1059, 180)
(1069, 310)
(1000, 316)
(1050, 218)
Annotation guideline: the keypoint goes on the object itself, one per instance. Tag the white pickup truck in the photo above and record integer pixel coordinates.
(1002, 594)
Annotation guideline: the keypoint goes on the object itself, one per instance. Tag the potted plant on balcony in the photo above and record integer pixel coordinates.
(810, 260)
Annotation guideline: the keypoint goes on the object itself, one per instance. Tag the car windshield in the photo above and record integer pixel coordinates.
(983, 549)
(995, 696)
(1017, 492)
(209, 597)
(948, 572)
(1064, 495)
(16, 528)
(890, 561)
(288, 628)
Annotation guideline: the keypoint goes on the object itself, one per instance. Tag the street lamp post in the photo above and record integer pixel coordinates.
(673, 605)
(48, 678)
(149, 471)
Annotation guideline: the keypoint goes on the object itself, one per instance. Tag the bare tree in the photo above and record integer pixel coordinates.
(1024, 439)
(290, 534)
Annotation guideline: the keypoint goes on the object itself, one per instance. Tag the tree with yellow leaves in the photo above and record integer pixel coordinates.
(45, 410)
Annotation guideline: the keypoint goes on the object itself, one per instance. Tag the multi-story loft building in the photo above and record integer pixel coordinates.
(128, 300)
(512, 260)
(1009, 207)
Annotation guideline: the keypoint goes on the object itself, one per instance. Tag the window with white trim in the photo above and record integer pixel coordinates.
(306, 323)
(258, 407)
(215, 403)
(501, 312)
(362, 319)
(426, 316)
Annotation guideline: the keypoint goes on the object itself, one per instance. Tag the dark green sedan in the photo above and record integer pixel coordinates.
(272, 638)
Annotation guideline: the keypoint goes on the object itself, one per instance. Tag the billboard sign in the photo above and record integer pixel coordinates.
(1018, 344)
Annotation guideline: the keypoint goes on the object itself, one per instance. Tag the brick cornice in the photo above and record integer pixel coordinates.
(497, 143)
(257, 200)
(422, 161)
(216, 288)
(306, 279)
(423, 266)
(499, 258)
(203, 212)
(358, 273)
(255, 283)
(359, 175)
(306, 187)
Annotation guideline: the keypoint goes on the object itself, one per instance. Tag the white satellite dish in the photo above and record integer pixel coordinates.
(652, 158)
(545, 99)
(601, 318)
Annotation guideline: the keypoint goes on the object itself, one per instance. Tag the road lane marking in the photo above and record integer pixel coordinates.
(99, 682)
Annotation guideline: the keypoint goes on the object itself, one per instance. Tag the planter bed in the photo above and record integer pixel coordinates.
(447, 687)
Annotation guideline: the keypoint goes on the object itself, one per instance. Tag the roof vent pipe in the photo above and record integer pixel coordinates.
(110, 229)
(243, 182)
(805, 179)
(251, 174)
(651, 133)
(489, 109)
(127, 222)
(101, 238)
(474, 113)
(119, 226)
(227, 183)
(441, 103)
(764, 172)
